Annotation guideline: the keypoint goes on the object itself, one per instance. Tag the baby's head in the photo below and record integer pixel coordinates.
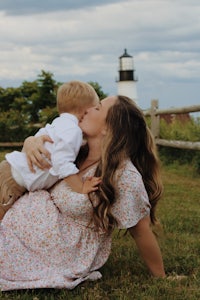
(76, 97)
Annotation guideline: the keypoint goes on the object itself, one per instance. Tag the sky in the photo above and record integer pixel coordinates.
(83, 40)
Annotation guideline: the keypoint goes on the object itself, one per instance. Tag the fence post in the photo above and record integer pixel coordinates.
(155, 119)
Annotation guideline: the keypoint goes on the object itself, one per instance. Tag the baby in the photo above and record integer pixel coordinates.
(73, 99)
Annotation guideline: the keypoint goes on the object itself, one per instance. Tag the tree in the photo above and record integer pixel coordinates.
(98, 90)
(32, 102)
(7, 97)
(47, 88)
(45, 96)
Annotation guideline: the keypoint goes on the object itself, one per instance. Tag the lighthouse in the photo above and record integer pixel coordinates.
(126, 84)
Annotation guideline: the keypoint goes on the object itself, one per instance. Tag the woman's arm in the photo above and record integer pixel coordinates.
(36, 152)
(148, 247)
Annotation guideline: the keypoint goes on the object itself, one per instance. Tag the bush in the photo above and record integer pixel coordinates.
(183, 131)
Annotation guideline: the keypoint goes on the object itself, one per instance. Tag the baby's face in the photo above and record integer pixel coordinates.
(85, 109)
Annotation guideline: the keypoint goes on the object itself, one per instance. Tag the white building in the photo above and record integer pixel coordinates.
(126, 84)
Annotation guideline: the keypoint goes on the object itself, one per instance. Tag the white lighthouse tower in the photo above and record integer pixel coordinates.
(127, 82)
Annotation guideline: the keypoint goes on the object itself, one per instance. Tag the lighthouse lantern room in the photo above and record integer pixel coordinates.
(127, 81)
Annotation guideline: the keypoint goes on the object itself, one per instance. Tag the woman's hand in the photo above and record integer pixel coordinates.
(36, 153)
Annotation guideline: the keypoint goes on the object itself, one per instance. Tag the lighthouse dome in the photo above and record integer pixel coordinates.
(127, 81)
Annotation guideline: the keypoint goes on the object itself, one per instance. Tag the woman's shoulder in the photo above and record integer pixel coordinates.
(128, 177)
(127, 166)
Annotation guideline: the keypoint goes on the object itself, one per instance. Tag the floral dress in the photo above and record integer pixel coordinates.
(48, 240)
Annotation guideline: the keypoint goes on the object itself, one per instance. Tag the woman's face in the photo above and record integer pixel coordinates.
(93, 122)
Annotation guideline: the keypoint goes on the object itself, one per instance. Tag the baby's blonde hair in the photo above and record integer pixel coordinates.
(73, 96)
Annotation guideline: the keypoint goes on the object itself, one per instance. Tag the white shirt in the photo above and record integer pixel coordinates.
(67, 138)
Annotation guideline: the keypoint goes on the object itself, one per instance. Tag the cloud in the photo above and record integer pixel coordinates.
(83, 40)
(31, 7)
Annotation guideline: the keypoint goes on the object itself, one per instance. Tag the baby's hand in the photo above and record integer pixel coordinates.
(91, 184)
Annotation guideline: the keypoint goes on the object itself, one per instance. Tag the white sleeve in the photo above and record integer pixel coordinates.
(65, 149)
(41, 131)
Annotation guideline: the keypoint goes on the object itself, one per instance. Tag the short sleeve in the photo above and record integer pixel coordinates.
(132, 203)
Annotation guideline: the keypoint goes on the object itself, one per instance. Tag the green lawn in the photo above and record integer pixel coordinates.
(125, 276)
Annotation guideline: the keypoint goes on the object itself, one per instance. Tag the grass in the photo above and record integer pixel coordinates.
(125, 275)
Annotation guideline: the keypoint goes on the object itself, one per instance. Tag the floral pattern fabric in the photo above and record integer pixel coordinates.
(48, 240)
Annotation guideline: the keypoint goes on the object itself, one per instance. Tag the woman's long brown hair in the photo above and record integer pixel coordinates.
(128, 137)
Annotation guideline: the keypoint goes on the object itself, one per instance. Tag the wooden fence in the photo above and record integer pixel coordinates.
(155, 114)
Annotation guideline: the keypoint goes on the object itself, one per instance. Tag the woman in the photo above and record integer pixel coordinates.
(60, 238)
